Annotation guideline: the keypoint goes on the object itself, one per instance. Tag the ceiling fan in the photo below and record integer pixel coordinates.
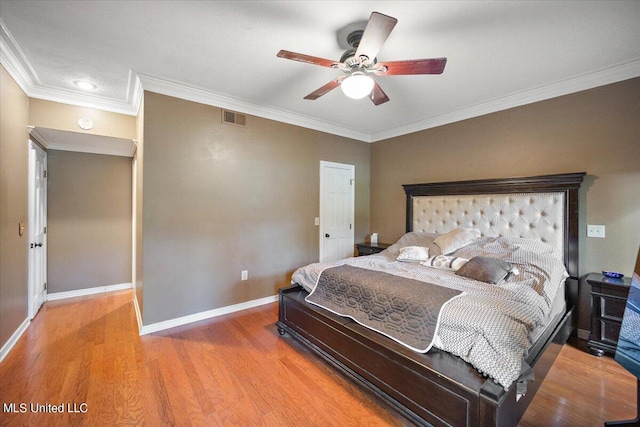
(359, 62)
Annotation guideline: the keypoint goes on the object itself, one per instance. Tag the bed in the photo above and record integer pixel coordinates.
(437, 387)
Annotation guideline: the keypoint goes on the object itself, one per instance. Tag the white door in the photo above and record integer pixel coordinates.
(37, 228)
(337, 199)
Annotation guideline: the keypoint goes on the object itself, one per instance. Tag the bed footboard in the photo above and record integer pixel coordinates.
(436, 388)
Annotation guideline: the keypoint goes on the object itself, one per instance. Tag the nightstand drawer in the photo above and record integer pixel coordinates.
(612, 309)
(370, 248)
(609, 331)
(366, 251)
(608, 302)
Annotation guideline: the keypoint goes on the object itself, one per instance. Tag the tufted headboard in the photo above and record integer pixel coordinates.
(539, 207)
(530, 215)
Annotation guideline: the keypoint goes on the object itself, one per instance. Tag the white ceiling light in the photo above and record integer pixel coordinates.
(85, 85)
(357, 85)
(85, 123)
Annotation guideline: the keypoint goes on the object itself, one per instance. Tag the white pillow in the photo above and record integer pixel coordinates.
(456, 239)
(444, 262)
(413, 254)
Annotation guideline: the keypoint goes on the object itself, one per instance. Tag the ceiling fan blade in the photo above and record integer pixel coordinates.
(301, 57)
(375, 34)
(325, 89)
(412, 66)
(377, 95)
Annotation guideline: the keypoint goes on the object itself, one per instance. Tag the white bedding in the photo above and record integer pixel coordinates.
(489, 326)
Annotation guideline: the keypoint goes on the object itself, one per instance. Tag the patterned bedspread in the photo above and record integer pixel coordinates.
(489, 325)
(405, 310)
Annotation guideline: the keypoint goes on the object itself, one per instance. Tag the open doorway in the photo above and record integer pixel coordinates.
(85, 223)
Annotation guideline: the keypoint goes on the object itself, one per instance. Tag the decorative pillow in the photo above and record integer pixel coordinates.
(445, 262)
(415, 238)
(413, 254)
(456, 239)
(487, 269)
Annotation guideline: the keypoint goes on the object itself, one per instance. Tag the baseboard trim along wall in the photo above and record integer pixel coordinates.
(14, 339)
(88, 291)
(143, 330)
(168, 324)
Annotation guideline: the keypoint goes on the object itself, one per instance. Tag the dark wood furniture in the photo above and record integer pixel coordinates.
(438, 388)
(608, 300)
(370, 248)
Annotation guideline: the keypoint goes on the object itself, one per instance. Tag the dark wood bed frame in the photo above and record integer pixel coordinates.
(438, 388)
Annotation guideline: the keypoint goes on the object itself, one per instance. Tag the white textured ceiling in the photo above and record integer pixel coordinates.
(500, 55)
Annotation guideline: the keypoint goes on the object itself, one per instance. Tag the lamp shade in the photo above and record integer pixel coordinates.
(357, 85)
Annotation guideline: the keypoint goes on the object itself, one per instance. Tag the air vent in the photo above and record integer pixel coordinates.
(233, 118)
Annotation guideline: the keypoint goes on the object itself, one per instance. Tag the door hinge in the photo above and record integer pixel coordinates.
(349, 226)
(45, 286)
(45, 174)
(351, 181)
(45, 230)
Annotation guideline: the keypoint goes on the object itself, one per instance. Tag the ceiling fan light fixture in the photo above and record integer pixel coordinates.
(357, 85)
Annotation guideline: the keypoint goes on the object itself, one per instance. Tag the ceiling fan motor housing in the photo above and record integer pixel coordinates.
(348, 57)
(354, 38)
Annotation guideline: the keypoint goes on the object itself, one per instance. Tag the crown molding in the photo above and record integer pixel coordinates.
(18, 66)
(189, 93)
(63, 96)
(16, 63)
(554, 90)
(12, 59)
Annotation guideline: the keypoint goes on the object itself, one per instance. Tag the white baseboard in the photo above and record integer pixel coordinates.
(14, 339)
(88, 291)
(168, 324)
(143, 330)
(583, 334)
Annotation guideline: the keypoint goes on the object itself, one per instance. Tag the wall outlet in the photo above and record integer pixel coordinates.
(595, 231)
(244, 275)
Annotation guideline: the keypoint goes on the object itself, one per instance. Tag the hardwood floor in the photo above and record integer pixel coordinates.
(84, 356)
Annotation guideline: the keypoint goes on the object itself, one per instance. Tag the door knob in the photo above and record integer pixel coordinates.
(327, 235)
(38, 244)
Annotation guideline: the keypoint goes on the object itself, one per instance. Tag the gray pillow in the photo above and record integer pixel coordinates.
(485, 269)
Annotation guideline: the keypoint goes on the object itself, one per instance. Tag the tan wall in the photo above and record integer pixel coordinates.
(89, 220)
(596, 131)
(14, 167)
(55, 115)
(219, 199)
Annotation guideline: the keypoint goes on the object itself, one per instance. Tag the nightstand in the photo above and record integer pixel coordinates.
(608, 301)
(370, 248)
